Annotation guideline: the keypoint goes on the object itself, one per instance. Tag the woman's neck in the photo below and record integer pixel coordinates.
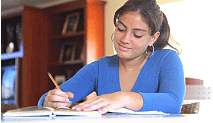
(133, 64)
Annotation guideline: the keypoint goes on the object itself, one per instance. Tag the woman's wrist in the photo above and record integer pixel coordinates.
(131, 100)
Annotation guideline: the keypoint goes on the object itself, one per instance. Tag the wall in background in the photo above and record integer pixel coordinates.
(110, 9)
(191, 25)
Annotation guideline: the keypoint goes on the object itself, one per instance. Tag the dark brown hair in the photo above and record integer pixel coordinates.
(153, 16)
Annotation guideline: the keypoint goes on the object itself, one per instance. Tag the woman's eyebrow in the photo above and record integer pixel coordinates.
(122, 24)
(136, 29)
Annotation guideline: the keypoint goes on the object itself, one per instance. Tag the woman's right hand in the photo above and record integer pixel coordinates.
(56, 98)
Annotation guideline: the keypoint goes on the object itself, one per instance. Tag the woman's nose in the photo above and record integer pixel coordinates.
(126, 38)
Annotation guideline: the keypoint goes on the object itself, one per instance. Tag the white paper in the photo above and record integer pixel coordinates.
(127, 111)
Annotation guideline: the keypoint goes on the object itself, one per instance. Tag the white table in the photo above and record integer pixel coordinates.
(113, 118)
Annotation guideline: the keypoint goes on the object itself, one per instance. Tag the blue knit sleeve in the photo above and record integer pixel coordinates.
(81, 85)
(171, 92)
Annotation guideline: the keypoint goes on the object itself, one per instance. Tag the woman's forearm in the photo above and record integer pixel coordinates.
(112, 101)
(133, 100)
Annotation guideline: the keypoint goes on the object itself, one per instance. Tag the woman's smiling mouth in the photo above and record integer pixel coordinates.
(123, 48)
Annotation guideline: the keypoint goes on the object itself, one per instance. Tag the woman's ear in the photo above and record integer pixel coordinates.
(154, 38)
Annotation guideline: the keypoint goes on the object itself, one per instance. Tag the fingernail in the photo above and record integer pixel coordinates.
(67, 100)
(100, 111)
(85, 109)
(77, 108)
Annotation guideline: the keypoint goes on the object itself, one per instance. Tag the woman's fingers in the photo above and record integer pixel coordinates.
(57, 92)
(70, 95)
(84, 105)
(91, 105)
(62, 94)
(103, 103)
(105, 109)
(56, 98)
(58, 104)
(96, 106)
(89, 102)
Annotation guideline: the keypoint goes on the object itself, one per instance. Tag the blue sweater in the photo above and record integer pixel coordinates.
(160, 81)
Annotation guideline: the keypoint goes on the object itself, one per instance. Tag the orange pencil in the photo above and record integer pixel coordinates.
(54, 82)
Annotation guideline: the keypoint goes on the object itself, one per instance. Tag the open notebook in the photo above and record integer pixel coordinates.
(48, 111)
(64, 111)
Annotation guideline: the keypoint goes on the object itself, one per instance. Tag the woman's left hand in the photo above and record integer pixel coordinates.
(103, 103)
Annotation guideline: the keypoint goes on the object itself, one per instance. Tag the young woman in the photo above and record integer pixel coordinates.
(142, 76)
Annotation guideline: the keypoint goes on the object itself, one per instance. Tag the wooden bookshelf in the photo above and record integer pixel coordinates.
(43, 40)
(11, 60)
(66, 63)
(80, 33)
(13, 55)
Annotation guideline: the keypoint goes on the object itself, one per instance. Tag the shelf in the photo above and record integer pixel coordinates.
(66, 63)
(12, 55)
(68, 35)
(42, 49)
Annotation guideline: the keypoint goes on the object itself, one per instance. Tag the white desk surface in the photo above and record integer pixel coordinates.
(113, 118)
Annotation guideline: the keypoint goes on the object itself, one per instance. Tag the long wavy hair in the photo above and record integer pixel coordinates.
(153, 16)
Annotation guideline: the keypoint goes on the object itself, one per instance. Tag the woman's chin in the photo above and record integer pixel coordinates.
(124, 55)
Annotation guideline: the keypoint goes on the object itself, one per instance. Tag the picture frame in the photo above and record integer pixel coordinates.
(71, 23)
(60, 79)
(68, 51)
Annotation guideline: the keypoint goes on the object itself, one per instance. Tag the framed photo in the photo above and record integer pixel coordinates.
(71, 23)
(60, 79)
(67, 52)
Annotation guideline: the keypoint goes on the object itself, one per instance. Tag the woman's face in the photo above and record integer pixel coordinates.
(132, 36)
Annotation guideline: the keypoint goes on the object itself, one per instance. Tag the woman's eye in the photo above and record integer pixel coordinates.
(137, 36)
(120, 30)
